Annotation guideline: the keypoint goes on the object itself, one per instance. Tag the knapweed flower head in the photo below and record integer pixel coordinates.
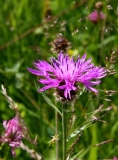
(65, 73)
(13, 133)
(60, 44)
(96, 16)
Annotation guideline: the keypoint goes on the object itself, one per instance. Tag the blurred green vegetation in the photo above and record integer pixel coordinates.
(26, 32)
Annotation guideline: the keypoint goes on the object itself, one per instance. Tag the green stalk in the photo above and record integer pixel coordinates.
(64, 129)
(56, 132)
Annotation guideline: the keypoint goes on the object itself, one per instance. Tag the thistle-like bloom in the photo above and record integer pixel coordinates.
(65, 73)
(13, 133)
(96, 16)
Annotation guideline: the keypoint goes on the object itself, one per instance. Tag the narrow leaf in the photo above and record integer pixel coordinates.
(79, 130)
(50, 102)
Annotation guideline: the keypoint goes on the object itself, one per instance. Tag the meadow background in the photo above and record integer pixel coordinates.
(26, 32)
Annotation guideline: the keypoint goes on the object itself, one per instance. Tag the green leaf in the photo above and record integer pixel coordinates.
(80, 154)
(15, 68)
(106, 41)
(79, 130)
(50, 102)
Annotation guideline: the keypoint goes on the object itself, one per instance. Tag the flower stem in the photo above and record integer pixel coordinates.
(56, 132)
(64, 128)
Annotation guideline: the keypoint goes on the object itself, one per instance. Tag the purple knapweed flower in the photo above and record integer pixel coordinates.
(96, 16)
(13, 133)
(64, 74)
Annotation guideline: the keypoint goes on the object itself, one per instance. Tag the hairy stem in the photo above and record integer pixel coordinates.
(56, 132)
(64, 128)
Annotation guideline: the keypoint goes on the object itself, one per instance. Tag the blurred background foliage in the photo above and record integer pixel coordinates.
(27, 29)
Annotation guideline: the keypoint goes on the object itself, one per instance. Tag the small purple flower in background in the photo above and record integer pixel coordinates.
(115, 158)
(96, 16)
(65, 73)
(13, 133)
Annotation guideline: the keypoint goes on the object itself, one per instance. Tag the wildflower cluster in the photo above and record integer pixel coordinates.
(68, 75)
